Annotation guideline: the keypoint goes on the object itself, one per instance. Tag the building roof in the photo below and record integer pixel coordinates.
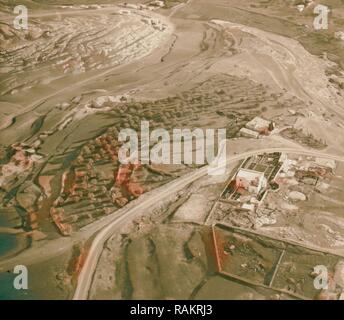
(328, 163)
(257, 124)
(248, 206)
(248, 132)
(250, 175)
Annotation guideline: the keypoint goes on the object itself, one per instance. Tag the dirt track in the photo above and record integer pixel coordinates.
(186, 67)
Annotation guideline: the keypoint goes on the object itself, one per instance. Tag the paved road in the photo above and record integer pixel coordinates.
(87, 272)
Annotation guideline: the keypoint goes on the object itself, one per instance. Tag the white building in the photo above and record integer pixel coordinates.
(258, 124)
(248, 206)
(251, 180)
(244, 132)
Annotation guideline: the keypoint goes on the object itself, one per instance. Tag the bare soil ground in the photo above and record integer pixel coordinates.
(80, 74)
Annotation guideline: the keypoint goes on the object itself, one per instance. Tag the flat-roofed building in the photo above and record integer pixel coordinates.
(259, 125)
(327, 163)
(251, 180)
(247, 133)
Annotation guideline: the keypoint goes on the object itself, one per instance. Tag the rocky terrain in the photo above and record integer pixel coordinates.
(82, 72)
